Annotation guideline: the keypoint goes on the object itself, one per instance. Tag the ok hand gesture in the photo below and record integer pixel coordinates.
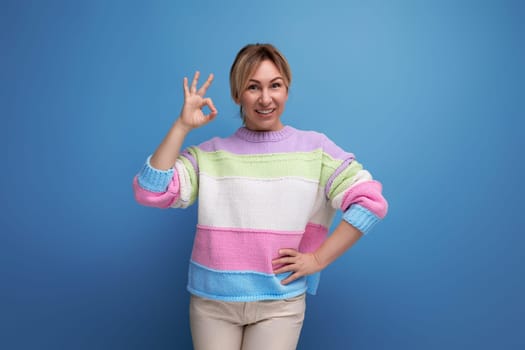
(192, 115)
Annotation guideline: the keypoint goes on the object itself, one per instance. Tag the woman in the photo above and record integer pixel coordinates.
(267, 196)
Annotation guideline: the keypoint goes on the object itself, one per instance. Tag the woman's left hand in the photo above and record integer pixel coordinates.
(301, 264)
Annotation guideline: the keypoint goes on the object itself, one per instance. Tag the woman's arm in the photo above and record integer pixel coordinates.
(191, 117)
(158, 182)
(303, 264)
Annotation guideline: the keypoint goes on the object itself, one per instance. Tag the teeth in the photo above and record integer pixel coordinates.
(266, 111)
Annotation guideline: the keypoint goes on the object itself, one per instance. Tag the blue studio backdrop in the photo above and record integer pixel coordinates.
(427, 94)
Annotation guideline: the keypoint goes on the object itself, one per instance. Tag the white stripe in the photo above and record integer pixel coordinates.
(185, 186)
(323, 213)
(241, 202)
(362, 175)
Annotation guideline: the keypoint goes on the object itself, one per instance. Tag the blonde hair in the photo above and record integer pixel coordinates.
(247, 61)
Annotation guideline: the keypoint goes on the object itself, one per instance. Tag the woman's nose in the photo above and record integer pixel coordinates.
(265, 98)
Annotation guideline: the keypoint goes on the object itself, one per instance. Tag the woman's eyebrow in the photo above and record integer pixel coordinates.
(274, 79)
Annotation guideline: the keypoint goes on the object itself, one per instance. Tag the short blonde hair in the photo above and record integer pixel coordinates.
(247, 61)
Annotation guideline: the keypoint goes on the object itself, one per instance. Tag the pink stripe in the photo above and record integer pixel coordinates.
(314, 236)
(249, 230)
(154, 199)
(241, 249)
(367, 194)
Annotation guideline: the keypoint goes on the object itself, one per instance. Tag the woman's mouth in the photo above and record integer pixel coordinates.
(265, 111)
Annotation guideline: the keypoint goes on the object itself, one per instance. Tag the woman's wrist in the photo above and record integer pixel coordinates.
(181, 127)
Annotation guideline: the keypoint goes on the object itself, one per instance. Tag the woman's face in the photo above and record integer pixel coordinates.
(264, 98)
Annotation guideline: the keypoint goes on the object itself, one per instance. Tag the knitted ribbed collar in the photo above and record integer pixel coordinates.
(264, 136)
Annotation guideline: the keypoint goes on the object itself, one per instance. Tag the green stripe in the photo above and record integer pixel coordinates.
(344, 179)
(306, 165)
(315, 165)
(330, 165)
(193, 176)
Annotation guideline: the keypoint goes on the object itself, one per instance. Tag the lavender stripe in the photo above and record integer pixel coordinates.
(186, 154)
(335, 151)
(292, 140)
(338, 171)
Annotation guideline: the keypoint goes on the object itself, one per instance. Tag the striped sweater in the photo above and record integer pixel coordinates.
(259, 192)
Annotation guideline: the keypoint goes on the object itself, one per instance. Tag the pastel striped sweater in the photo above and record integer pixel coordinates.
(259, 192)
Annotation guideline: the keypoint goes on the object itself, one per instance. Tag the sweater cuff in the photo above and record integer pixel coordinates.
(154, 180)
(361, 218)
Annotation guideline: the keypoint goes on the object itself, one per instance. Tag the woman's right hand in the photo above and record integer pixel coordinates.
(192, 115)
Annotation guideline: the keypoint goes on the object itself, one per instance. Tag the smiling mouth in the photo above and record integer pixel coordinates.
(265, 111)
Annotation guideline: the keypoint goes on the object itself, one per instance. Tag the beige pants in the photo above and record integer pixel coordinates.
(271, 324)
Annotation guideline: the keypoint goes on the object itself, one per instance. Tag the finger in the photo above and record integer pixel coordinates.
(206, 85)
(283, 269)
(194, 82)
(283, 260)
(185, 86)
(212, 115)
(208, 102)
(288, 252)
(213, 111)
(291, 278)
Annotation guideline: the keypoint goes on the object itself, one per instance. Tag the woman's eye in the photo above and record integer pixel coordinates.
(252, 87)
(276, 85)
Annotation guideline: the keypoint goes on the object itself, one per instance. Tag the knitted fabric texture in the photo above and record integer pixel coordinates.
(259, 192)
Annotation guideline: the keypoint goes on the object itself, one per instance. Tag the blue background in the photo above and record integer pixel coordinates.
(428, 94)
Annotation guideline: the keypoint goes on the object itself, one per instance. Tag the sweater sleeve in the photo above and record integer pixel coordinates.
(176, 187)
(351, 188)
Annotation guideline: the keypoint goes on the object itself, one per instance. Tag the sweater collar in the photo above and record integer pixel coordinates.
(264, 136)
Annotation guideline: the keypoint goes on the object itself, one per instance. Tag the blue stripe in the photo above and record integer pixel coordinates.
(313, 283)
(154, 180)
(360, 217)
(241, 286)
